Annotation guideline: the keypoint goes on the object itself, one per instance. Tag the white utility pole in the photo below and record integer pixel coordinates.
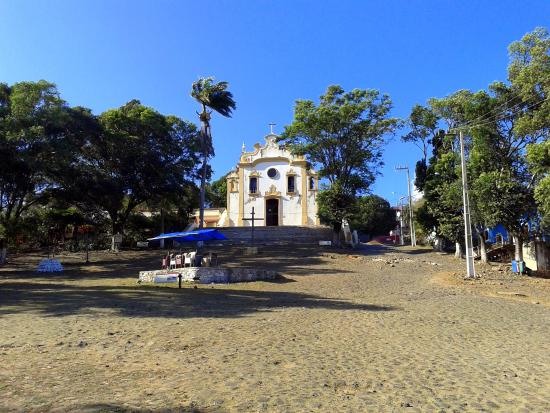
(470, 270)
(401, 234)
(411, 214)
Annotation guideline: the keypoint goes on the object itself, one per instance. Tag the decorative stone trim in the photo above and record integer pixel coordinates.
(272, 192)
(233, 184)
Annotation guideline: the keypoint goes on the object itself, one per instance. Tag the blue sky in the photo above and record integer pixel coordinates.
(103, 53)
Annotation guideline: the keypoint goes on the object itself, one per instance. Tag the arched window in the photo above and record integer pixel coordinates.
(253, 185)
(291, 187)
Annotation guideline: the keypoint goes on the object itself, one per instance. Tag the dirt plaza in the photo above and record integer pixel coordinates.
(375, 329)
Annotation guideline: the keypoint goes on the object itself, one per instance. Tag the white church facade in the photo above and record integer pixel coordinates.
(277, 185)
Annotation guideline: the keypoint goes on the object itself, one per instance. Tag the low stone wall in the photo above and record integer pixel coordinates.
(207, 275)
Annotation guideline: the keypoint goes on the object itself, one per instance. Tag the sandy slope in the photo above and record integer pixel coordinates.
(380, 330)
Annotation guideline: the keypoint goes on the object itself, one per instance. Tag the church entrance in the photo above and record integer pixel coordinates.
(272, 212)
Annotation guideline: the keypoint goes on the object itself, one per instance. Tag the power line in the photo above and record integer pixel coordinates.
(499, 116)
(498, 108)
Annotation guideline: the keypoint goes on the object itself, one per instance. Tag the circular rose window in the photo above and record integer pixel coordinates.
(272, 172)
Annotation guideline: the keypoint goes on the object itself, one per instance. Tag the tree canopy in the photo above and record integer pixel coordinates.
(529, 74)
(33, 128)
(343, 136)
(374, 216)
(139, 155)
(55, 158)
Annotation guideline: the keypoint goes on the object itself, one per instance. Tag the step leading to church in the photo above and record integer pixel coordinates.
(277, 234)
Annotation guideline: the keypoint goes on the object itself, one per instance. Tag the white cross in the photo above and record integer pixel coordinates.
(271, 127)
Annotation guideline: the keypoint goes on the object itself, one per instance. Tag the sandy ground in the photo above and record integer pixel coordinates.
(383, 329)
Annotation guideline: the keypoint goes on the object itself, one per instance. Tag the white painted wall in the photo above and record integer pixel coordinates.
(290, 206)
(291, 213)
(233, 209)
(312, 219)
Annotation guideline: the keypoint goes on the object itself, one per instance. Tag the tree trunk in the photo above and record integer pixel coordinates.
(162, 227)
(518, 247)
(205, 144)
(458, 250)
(336, 229)
(3, 251)
(203, 190)
(483, 248)
(438, 244)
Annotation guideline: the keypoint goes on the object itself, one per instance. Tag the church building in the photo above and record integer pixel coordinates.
(274, 183)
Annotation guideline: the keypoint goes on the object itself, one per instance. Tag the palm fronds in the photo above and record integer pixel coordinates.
(214, 96)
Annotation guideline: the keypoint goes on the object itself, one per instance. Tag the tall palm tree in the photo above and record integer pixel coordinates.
(216, 97)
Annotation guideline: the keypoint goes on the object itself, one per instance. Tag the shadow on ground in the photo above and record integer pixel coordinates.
(54, 299)
(288, 260)
(114, 408)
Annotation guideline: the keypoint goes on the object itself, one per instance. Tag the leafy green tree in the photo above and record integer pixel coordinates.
(443, 195)
(216, 97)
(333, 206)
(343, 135)
(425, 221)
(443, 186)
(32, 128)
(501, 182)
(374, 216)
(498, 177)
(139, 155)
(539, 159)
(529, 74)
(46, 225)
(216, 193)
(423, 123)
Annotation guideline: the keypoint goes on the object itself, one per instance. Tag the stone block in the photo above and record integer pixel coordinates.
(250, 251)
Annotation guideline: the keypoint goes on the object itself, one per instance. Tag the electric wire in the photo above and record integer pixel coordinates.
(496, 117)
(502, 106)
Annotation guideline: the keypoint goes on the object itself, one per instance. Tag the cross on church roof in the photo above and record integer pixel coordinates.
(271, 127)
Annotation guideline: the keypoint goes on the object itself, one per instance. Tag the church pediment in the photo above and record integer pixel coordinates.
(270, 151)
(272, 191)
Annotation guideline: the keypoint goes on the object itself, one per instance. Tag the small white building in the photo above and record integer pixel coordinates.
(278, 185)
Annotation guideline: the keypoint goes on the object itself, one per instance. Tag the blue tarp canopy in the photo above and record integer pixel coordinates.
(192, 236)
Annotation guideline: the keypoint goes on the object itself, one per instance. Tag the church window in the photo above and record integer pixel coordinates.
(311, 183)
(253, 185)
(272, 172)
(291, 186)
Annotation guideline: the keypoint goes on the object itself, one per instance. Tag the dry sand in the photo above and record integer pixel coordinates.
(381, 330)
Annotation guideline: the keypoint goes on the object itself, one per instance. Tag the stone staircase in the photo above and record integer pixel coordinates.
(283, 235)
